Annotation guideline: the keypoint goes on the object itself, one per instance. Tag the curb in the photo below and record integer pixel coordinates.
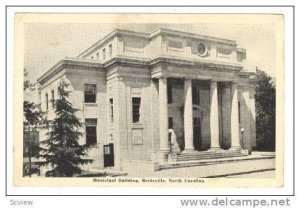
(240, 173)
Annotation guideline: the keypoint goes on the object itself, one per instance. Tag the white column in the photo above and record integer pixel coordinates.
(235, 139)
(252, 115)
(188, 117)
(214, 117)
(163, 117)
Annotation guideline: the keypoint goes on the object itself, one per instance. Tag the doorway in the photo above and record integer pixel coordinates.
(197, 133)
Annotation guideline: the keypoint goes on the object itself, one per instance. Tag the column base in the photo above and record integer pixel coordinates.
(236, 148)
(188, 151)
(214, 149)
(163, 156)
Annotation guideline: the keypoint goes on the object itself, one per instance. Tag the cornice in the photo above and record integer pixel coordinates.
(161, 31)
(181, 34)
(146, 63)
(69, 62)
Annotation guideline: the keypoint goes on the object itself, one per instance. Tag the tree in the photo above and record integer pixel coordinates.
(61, 150)
(265, 104)
(32, 118)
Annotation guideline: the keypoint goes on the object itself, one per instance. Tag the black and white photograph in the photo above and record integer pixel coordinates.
(128, 105)
(151, 103)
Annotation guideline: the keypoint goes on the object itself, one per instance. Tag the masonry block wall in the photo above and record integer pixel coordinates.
(78, 78)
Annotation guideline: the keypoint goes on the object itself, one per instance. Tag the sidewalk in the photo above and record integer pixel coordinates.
(213, 170)
(250, 165)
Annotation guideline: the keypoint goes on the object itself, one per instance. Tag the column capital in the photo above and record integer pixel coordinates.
(162, 77)
(213, 80)
(234, 83)
(187, 78)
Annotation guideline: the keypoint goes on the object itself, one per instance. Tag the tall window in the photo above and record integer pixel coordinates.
(170, 122)
(90, 93)
(46, 100)
(97, 55)
(103, 54)
(136, 105)
(110, 50)
(170, 93)
(91, 131)
(111, 108)
(195, 96)
(52, 98)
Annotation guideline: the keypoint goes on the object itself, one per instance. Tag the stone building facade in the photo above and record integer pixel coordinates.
(168, 94)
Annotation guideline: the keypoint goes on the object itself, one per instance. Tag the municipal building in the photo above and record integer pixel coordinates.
(150, 101)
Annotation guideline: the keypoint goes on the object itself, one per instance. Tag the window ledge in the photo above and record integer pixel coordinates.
(137, 126)
(91, 104)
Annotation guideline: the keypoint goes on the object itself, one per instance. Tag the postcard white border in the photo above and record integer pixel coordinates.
(288, 167)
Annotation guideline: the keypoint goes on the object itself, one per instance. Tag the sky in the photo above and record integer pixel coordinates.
(47, 43)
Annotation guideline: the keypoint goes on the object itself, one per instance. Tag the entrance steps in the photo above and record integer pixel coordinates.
(204, 158)
(202, 155)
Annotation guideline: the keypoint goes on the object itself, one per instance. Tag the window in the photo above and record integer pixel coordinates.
(46, 100)
(92, 57)
(52, 98)
(201, 49)
(110, 50)
(170, 96)
(111, 108)
(97, 55)
(136, 104)
(103, 54)
(90, 93)
(170, 122)
(195, 96)
(91, 131)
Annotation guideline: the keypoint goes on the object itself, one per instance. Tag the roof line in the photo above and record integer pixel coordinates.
(154, 34)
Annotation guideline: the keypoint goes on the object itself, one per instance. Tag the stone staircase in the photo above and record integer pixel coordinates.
(203, 155)
(203, 158)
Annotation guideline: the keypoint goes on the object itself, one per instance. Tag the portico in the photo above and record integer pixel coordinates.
(188, 115)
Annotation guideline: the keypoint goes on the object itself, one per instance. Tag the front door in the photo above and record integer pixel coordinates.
(197, 133)
(108, 151)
